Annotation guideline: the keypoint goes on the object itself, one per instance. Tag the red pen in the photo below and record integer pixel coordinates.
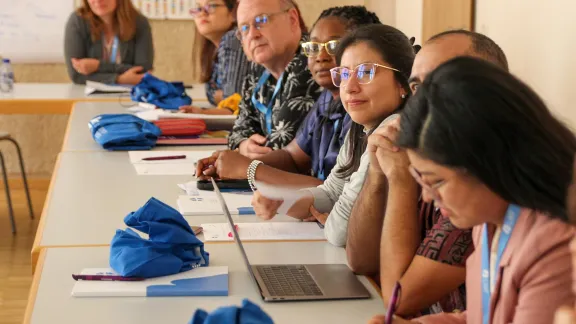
(230, 233)
(105, 278)
(159, 158)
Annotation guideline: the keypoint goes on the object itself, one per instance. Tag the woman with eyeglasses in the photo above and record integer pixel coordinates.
(374, 63)
(219, 56)
(492, 156)
(310, 157)
(108, 41)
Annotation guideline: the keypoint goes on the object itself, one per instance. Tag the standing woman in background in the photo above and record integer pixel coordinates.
(108, 41)
(218, 55)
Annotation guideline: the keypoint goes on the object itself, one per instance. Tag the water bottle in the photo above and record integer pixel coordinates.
(6, 77)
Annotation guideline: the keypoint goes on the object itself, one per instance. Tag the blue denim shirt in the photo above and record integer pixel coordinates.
(322, 141)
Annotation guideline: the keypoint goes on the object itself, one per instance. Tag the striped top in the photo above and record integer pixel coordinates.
(230, 68)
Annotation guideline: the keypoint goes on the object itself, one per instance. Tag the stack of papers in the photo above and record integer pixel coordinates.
(269, 231)
(185, 166)
(203, 281)
(93, 87)
(206, 203)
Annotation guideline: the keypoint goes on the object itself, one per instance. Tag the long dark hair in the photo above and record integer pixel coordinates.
(396, 49)
(205, 51)
(470, 114)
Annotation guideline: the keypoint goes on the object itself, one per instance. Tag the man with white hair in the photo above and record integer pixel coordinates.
(276, 101)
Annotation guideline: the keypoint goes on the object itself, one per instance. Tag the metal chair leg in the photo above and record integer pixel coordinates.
(7, 189)
(24, 179)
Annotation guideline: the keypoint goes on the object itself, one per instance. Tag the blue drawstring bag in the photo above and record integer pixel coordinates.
(162, 94)
(171, 248)
(248, 313)
(123, 132)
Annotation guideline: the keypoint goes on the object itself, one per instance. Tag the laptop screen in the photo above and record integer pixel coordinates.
(234, 231)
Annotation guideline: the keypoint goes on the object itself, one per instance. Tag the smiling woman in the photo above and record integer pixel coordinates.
(108, 41)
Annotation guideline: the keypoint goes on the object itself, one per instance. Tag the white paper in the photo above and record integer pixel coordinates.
(288, 195)
(191, 188)
(94, 87)
(269, 231)
(206, 203)
(185, 166)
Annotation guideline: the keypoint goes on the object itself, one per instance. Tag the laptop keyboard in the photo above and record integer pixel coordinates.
(289, 280)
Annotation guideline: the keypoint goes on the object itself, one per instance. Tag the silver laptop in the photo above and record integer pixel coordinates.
(292, 282)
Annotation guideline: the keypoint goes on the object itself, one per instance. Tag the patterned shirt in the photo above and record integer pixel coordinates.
(443, 242)
(230, 68)
(291, 105)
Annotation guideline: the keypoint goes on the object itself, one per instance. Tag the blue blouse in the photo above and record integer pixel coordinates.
(322, 140)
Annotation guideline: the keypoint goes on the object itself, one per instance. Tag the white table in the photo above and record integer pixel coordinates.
(58, 98)
(92, 192)
(79, 138)
(53, 283)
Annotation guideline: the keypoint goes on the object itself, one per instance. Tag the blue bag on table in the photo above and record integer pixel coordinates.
(172, 246)
(162, 94)
(248, 313)
(120, 132)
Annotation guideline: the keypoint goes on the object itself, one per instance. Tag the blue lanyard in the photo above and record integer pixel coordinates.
(114, 50)
(321, 175)
(267, 110)
(510, 219)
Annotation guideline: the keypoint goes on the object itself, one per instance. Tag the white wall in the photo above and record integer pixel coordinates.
(538, 39)
(409, 18)
(385, 9)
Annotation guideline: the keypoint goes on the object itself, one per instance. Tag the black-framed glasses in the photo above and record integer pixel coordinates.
(364, 72)
(257, 23)
(313, 49)
(208, 9)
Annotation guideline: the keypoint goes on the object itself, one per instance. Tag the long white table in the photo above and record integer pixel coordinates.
(51, 301)
(92, 192)
(79, 138)
(58, 98)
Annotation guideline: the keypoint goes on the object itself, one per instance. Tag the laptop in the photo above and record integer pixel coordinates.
(298, 282)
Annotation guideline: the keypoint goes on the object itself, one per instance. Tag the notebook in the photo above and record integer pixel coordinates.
(213, 122)
(269, 231)
(205, 203)
(203, 281)
(93, 87)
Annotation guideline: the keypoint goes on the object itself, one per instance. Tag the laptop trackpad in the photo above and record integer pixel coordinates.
(337, 281)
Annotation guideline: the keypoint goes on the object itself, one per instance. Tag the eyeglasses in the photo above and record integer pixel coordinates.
(313, 49)
(208, 9)
(259, 21)
(364, 73)
(431, 189)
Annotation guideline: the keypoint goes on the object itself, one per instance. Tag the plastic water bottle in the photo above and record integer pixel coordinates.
(6, 77)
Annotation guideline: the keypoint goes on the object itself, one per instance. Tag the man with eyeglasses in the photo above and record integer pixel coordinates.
(275, 102)
(401, 238)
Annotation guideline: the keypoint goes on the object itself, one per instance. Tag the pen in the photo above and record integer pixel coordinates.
(159, 158)
(393, 304)
(230, 233)
(105, 278)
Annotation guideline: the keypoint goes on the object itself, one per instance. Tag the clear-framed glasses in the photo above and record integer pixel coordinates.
(258, 22)
(431, 189)
(208, 9)
(313, 49)
(365, 73)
